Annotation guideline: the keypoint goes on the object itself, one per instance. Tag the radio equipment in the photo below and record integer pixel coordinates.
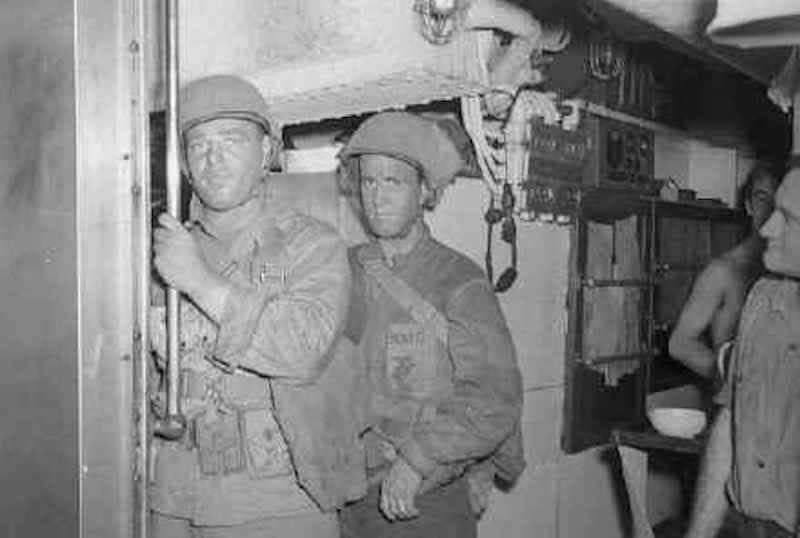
(555, 170)
(603, 153)
(557, 155)
(621, 157)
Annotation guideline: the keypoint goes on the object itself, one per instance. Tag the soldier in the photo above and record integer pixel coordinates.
(272, 448)
(445, 390)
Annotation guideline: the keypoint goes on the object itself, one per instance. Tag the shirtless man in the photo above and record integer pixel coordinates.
(719, 292)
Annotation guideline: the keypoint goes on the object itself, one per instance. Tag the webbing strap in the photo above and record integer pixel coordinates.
(241, 390)
(409, 299)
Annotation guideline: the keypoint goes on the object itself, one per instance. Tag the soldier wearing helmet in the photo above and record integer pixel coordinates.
(444, 394)
(272, 448)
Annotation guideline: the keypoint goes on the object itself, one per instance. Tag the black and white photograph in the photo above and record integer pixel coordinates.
(400, 268)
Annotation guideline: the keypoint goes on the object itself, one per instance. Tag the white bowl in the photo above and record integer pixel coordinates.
(677, 421)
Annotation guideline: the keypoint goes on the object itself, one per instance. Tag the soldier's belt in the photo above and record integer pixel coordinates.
(220, 443)
(236, 440)
(242, 390)
(397, 414)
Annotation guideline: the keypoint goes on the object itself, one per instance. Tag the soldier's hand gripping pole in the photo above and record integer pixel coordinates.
(173, 425)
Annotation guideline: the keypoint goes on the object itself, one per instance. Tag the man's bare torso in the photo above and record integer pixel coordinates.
(711, 314)
(741, 267)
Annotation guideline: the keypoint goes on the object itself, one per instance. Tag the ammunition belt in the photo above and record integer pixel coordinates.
(241, 390)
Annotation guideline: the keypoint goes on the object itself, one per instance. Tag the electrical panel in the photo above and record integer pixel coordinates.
(555, 169)
(557, 155)
(602, 153)
(622, 155)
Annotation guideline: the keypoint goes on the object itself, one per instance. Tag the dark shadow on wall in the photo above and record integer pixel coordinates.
(37, 142)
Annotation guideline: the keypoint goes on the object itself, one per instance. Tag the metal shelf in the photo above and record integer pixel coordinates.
(610, 283)
(606, 359)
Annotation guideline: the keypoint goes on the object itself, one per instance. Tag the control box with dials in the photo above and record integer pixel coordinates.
(602, 153)
(622, 155)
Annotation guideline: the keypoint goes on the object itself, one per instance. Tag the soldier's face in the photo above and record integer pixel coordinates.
(782, 229)
(226, 159)
(391, 194)
(761, 201)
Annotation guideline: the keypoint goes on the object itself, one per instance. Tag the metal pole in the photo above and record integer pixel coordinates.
(174, 424)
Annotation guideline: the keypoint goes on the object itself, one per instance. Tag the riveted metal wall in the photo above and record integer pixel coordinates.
(106, 160)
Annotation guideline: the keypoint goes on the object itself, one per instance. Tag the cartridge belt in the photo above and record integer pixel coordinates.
(243, 390)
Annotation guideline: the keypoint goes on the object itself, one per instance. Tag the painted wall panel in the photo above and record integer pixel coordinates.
(531, 510)
(104, 223)
(541, 425)
(587, 497)
(712, 171)
(38, 303)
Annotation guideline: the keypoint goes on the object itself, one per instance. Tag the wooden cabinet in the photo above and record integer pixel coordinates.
(633, 262)
(688, 236)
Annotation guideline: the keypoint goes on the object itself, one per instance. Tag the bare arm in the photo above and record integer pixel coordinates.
(686, 343)
(711, 502)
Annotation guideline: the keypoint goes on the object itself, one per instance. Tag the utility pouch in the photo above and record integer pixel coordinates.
(220, 442)
(267, 452)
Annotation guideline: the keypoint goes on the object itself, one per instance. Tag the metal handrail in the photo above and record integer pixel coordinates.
(173, 425)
